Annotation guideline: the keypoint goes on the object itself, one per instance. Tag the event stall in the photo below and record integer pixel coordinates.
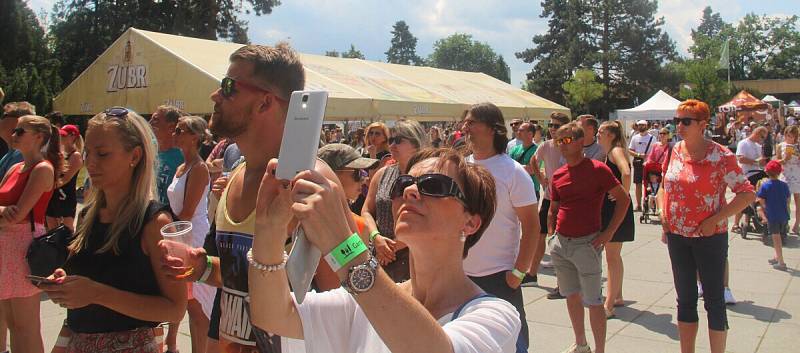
(142, 70)
(661, 106)
(746, 108)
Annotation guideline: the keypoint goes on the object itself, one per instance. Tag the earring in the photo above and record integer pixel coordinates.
(463, 237)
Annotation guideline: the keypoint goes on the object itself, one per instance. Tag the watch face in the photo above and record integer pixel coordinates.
(362, 279)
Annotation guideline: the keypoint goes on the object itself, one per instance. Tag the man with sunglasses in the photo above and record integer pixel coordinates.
(163, 122)
(547, 154)
(578, 190)
(639, 147)
(499, 262)
(515, 140)
(11, 114)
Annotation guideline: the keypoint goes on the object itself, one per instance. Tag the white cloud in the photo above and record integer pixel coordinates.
(681, 16)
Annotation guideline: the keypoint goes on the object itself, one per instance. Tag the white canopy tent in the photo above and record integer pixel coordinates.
(661, 106)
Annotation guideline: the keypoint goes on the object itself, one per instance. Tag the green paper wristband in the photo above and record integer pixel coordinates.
(519, 274)
(345, 252)
(373, 234)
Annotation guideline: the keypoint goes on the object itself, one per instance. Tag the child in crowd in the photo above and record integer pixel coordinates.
(774, 198)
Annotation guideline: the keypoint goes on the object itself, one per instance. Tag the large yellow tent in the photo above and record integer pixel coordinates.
(142, 70)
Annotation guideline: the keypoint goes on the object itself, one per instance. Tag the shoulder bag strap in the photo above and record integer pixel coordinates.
(522, 156)
(646, 149)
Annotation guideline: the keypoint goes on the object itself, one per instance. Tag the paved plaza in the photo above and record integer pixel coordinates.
(766, 318)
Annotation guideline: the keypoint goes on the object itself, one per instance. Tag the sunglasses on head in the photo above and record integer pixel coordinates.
(116, 112)
(228, 87)
(18, 131)
(564, 140)
(396, 140)
(684, 121)
(434, 185)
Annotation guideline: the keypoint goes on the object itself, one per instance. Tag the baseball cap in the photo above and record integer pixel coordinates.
(69, 130)
(339, 156)
(773, 167)
(641, 122)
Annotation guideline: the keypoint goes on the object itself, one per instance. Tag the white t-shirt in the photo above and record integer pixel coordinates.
(499, 246)
(334, 323)
(639, 143)
(749, 149)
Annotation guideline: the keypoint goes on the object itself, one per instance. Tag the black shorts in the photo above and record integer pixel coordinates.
(638, 171)
(778, 227)
(213, 321)
(543, 210)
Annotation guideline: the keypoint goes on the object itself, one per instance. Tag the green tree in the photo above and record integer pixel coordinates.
(353, 53)
(583, 89)
(559, 51)
(28, 69)
(703, 82)
(82, 29)
(404, 46)
(460, 52)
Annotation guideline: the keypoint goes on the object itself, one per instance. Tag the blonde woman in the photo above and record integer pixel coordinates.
(24, 194)
(64, 202)
(788, 154)
(112, 284)
(376, 141)
(188, 197)
(611, 139)
(408, 137)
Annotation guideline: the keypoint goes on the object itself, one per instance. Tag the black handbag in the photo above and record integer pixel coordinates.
(49, 251)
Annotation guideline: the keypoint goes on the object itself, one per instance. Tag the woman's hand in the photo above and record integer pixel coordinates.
(372, 150)
(71, 292)
(176, 269)
(384, 250)
(219, 185)
(321, 208)
(708, 226)
(274, 201)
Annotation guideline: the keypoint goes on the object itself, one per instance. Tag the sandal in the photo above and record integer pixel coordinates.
(610, 314)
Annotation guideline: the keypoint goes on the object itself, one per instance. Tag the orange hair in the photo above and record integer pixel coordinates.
(379, 126)
(696, 108)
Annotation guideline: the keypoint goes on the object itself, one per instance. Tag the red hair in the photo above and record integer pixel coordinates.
(696, 108)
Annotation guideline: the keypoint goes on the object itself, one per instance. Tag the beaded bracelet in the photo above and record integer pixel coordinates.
(266, 268)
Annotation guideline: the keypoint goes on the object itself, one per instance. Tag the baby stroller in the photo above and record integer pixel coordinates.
(652, 183)
(751, 222)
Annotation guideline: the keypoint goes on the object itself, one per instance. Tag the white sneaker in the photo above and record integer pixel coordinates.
(699, 290)
(729, 297)
(575, 348)
(547, 264)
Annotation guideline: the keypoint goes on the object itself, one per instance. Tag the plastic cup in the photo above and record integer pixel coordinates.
(178, 240)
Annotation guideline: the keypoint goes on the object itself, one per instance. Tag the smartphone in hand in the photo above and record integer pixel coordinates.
(301, 134)
(38, 280)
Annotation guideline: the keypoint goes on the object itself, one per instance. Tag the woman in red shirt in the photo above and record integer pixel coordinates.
(24, 195)
(695, 221)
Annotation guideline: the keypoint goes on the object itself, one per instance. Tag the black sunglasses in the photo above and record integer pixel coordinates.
(553, 126)
(396, 140)
(358, 174)
(116, 112)
(228, 87)
(684, 121)
(434, 185)
(18, 131)
(179, 131)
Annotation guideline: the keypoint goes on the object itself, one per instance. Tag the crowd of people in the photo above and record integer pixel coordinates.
(427, 234)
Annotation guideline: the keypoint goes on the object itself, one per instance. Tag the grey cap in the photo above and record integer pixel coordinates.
(339, 156)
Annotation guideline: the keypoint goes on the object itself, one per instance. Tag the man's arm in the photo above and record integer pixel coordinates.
(529, 218)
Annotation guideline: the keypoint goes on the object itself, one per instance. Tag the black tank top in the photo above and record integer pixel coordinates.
(129, 271)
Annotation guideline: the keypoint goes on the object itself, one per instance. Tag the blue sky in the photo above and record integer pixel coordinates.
(315, 26)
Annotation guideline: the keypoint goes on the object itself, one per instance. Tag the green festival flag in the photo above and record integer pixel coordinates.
(724, 61)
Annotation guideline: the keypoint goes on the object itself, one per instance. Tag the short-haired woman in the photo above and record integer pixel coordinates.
(442, 207)
(24, 195)
(611, 138)
(695, 221)
(376, 141)
(64, 202)
(188, 198)
(112, 284)
(408, 137)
